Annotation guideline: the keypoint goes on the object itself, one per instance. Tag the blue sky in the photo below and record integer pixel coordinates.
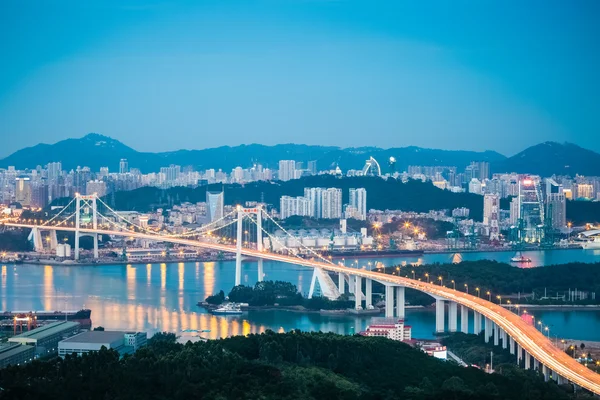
(164, 75)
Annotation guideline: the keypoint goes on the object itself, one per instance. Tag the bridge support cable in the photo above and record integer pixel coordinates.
(59, 213)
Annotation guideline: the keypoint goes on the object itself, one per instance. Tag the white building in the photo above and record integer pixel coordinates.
(390, 328)
(215, 205)
(96, 186)
(122, 342)
(491, 212)
(294, 206)
(331, 203)
(475, 186)
(287, 170)
(358, 200)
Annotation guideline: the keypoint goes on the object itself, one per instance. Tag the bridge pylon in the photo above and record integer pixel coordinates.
(87, 199)
(241, 212)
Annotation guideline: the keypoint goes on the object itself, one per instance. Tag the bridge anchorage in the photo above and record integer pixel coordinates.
(532, 348)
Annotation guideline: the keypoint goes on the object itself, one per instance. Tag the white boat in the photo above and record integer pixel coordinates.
(520, 258)
(591, 244)
(228, 309)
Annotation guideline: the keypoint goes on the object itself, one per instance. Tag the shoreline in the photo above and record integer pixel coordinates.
(216, 259)
(556, 307)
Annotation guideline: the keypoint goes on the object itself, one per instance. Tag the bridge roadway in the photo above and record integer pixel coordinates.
(527, 336)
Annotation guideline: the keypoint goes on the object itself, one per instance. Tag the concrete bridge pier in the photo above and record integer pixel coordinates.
(496, 335)
(452, 316)
(561, 380)
(357, 293)
(464, 319)
(511, 344)
(527, 360)
(53, 240)
(368, 294)
(389, 302)
(400, 303)
(341, 283)
(476, 323)
(439, 315)
(504, 341)
(488, 330)
(519, 353)
(546, 371)
(536, 364)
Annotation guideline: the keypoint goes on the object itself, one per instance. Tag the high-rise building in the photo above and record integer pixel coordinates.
(358, 200)
(54, 171)
(475, 186)
(23, 191)
(484, 170)
(556, 208)
(123, 166)
(312, 167)
(171, 172)
(531, 209)
(103, 173)
(97, 187)
(585, 191)
(214, 207)
(491, 210)
(331, 203)
(39, 195)
(315, 200)
(294, 206)
(514, 211)
(287, 170)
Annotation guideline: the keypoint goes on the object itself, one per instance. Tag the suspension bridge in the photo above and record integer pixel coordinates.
(503, 327)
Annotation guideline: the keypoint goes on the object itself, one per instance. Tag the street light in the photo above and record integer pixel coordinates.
(547, 331)
(489, 295)
(441, 280)
(413, 272)
(467, 288)
(427, 276)
(499, 299)
(540, 324)
(477, 290)
(453, 284)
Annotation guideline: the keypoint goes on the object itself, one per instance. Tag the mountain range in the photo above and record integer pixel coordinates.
(95, 151)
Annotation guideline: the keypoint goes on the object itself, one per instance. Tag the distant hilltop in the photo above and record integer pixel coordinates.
(95, 151)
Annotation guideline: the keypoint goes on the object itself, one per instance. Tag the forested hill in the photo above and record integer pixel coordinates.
(382, 194)
(95, 151)
(270, 366)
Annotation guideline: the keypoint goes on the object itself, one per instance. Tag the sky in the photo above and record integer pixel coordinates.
(166, 75)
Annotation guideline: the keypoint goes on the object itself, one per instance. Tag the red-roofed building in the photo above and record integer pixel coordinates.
(389, 328)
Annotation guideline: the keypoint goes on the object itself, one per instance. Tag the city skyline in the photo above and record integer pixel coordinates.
(213, 73)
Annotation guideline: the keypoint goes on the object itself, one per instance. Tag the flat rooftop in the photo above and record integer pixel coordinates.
(99, 337)
(46, 330)
(13, 349)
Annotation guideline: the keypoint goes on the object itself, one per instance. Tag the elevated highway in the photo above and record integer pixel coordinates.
(527, 337)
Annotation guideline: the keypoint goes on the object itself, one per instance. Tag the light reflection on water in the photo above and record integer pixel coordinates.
(163, 297)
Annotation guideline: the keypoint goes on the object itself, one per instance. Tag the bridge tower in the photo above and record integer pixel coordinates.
(88, 200)
(241, 211)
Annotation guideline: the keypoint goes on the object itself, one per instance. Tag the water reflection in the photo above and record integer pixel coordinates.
(124, 297)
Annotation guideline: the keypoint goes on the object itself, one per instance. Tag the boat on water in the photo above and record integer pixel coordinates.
(520, 258)
(592, 244)
(228, 309)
